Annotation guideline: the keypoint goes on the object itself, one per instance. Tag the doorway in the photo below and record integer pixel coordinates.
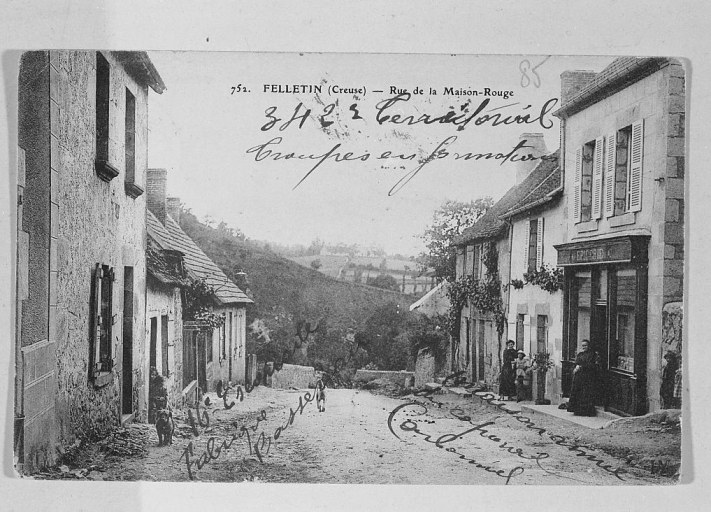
(127, 360)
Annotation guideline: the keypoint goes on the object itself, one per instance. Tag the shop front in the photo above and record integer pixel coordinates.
(605, 302)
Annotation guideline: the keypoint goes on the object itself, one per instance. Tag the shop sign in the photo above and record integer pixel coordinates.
(602, 252)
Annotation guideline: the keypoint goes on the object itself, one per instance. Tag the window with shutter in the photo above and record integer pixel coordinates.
(597, 179)
(539, 243)
(577, 181)
(526, 244)
(101, 357)
(610, 152)
(635, 176)
(532, 251)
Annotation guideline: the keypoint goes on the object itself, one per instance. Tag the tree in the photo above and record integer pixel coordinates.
(384, 281)
(316, 264)
(448, 222)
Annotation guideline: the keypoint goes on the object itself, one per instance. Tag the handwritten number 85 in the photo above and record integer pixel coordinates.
(525, 67)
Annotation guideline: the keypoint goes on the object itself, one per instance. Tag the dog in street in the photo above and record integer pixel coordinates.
(320, 396)
(165, 426)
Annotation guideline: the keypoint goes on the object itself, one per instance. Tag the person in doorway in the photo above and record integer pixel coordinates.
(157, 394)
(523, 369)
(507, 379)
(585, 381)
(669, 369)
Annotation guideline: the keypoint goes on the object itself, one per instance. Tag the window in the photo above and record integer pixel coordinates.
(164, 344)
(533, 249)
(468, 338)
(587, 198)
(208, 348)
(459, 261)
(102, 307)
(623, 170)
(469, 260)
(223, 341)
(519, 331)
(541, 333)
(476, 263)
(580, 302)
(622, 347)
(130, 184)
(104, 170)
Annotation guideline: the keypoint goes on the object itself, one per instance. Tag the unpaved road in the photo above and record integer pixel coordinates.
(367, 438)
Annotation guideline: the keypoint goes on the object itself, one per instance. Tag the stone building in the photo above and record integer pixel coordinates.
(622, 155)
(80, 362)
(205, 356)
(166, 280)
(536, 223)
(477, 349)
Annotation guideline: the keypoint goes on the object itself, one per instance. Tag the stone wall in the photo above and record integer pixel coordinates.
(162, 300)
(95, 222)
(401, 378)
(293, 376)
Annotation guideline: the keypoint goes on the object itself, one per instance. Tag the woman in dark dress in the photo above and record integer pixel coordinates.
(585, 380)
(507, 380)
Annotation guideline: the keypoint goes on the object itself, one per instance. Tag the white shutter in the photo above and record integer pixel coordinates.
(577, 183)
(610, 162)
(539, 243)
(526, 242)
(635, 181)
(597, 178)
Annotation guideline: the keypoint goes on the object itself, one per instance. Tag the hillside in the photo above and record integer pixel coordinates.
(286, 293)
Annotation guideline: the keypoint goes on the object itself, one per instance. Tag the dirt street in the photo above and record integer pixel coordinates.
(363, 438)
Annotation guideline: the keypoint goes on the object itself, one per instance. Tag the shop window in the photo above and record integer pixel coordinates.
(102, 296)
(623, 170)
(580, 313)
(541, 333)
(622, 349)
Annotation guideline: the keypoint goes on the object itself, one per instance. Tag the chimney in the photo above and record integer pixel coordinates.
(572, 82)
(172, 207)
(536, 146)
(155, 188)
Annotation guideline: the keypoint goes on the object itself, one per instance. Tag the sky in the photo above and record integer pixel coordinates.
(219, 108)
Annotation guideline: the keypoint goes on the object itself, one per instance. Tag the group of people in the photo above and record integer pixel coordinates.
(515, 374)
(587, 387)
(516, 370)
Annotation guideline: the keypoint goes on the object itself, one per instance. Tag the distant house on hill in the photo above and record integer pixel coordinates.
(201, 356)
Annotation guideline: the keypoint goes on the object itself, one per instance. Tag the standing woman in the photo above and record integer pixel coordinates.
(507, 379)
(585, 380)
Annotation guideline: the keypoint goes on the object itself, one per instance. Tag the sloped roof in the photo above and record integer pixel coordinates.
(161, 264)
(197, 262)
(491, 224)
(539, 187)
(140, 66)
(622, 72)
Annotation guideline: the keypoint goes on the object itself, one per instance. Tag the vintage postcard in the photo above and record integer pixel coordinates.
(349, 268)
